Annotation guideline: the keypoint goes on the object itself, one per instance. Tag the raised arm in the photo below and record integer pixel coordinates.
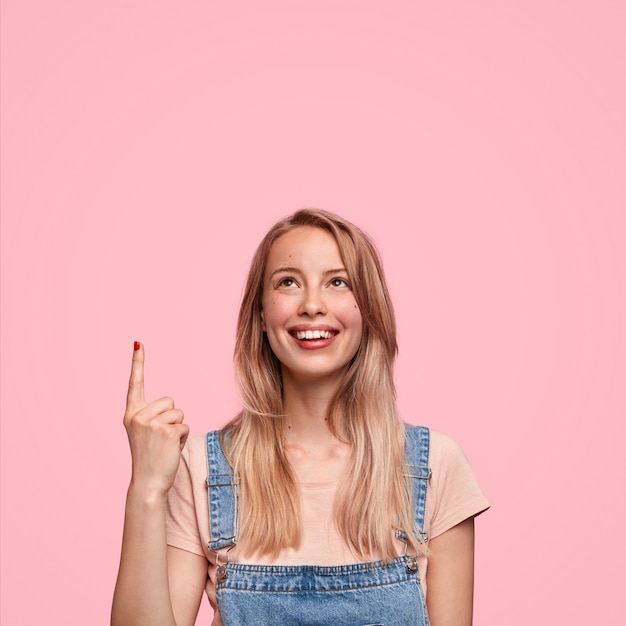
(450, 576)
(155, 584)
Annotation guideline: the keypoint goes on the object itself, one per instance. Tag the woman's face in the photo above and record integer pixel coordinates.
(313, 323)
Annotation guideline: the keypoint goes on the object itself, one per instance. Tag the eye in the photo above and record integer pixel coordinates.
(286, 282)
(339, 282)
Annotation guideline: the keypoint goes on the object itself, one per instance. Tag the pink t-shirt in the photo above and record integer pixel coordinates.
(453, 495)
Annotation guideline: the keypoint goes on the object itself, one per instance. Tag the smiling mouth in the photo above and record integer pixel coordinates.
(305, 335)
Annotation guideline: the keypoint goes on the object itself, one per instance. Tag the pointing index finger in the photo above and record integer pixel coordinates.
(136, 398)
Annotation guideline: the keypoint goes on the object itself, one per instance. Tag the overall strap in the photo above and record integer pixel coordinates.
(417, 450)
(223, 492)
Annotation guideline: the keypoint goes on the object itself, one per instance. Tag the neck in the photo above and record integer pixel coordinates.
(315, 454)
(307, 404)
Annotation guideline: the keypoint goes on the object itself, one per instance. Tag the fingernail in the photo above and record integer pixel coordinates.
(137, 345)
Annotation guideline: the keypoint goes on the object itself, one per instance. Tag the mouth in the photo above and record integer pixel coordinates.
(311, 335)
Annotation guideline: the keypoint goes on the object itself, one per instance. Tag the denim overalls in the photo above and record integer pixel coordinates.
(362, 594)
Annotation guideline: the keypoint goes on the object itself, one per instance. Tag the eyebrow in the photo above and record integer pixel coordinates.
(295, 270)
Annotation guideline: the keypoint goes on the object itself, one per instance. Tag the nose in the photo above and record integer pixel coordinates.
(312, 303)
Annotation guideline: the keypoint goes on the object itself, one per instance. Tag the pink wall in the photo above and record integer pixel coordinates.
(148, 145)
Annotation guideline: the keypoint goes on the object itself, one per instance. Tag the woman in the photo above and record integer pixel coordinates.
(316, 505)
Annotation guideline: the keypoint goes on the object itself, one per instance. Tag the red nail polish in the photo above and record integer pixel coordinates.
(137, 345)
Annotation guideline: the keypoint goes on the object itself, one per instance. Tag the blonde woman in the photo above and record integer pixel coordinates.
(316, 504)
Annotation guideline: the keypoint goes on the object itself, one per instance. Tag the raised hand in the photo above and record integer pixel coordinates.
(155, 432)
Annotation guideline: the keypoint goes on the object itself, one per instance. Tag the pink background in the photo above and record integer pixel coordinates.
(147, 146)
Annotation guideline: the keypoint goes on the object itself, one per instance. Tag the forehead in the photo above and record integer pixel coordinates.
(306, 246)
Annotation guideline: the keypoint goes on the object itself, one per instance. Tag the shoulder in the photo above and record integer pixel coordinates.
(197, 447)
(448, 460)
(454, 493)
(442, 448)
(194, 450)
(445, 448)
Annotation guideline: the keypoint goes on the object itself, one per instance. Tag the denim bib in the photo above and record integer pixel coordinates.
(361, 594)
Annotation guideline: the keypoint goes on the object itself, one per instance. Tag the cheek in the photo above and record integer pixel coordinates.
(275, 312)
(352, 314)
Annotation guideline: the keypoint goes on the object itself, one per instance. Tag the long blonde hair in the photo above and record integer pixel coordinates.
(374, 497)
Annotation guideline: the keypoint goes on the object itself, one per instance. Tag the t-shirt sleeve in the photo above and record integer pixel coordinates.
(181, 522)
(453, 492)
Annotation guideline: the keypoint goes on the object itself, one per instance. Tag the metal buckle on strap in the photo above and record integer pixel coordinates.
(222, 568)
(223, 480)
(411, 559)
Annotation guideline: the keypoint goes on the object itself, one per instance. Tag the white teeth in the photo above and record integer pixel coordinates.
(313, 334)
